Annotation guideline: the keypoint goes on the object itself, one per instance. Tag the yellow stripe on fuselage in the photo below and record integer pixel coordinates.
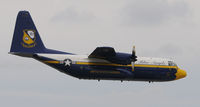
(154, 66)
(136, 65)
(52, 62)
(97, 63)
(111, 64)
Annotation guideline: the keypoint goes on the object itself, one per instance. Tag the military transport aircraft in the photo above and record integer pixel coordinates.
(102, 64)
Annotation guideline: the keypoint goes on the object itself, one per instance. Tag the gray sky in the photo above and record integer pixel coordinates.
(158, 28)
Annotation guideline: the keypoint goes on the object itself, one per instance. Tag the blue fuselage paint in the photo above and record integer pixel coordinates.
(109, 72)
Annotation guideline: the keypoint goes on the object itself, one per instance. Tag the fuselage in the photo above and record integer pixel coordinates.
(82, 67)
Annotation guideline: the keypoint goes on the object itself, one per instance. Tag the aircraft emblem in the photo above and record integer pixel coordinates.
(67, 62)
(29, 38)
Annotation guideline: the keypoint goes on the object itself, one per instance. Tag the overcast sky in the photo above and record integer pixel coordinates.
(158, 28)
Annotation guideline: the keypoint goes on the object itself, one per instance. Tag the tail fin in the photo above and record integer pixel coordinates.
(26, 39)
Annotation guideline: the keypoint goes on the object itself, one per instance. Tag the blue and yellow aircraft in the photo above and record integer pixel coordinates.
(102, 64)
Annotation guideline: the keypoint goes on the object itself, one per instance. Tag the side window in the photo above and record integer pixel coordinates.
(170, 63)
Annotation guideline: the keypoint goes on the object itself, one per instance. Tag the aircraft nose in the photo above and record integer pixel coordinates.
(180, 74)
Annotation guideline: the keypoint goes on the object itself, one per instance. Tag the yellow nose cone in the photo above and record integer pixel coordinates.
(180, 74)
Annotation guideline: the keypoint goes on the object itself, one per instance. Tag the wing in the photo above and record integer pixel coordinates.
(109, 54)
(103, 53)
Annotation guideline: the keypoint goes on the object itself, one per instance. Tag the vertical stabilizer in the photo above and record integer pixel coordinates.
(26, 39)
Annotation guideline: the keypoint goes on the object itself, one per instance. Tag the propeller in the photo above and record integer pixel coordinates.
(133, 58)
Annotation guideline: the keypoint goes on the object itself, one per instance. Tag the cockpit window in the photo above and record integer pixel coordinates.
(171, 63)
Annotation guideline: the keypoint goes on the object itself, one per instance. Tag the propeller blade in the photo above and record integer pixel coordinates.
(133, 51)
(133, 65)
(133, 58)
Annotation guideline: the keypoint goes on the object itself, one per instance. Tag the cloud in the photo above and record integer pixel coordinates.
(153, 12)
(72, 16)
(170, 50)
(26, 82)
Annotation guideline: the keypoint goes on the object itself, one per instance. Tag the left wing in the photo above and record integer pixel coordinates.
(109, 54)
(103, 53)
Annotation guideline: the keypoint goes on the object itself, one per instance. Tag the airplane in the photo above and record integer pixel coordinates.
(104, 63)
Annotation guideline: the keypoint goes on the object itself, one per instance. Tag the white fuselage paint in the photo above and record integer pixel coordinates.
(84, 58)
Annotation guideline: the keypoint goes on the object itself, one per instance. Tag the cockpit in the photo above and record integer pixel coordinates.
(171, 63)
